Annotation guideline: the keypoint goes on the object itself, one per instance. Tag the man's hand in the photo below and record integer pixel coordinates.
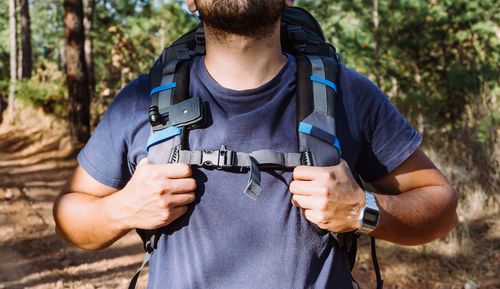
(329, 196)
(155, 196)
(92, 216)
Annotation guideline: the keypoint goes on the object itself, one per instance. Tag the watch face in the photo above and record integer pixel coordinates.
(370, 217)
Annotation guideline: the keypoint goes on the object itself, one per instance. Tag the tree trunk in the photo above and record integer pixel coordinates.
(89, 56)
(13, 54)
(27, 62)
(377, 41)
(76, 69)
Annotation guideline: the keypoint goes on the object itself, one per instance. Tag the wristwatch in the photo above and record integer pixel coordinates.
(369, 215)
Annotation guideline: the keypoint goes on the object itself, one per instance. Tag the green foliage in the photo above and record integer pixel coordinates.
(127, 37)
(51, 95)
(47, 30)
(436, 56)
(4, 40)
(46, 89)
(439, 64)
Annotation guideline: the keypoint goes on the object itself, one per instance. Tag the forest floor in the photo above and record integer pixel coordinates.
(35, 163)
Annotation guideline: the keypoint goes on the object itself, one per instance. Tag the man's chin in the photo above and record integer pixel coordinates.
(245, 18)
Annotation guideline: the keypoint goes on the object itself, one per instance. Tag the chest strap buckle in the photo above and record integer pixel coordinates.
(222, 158)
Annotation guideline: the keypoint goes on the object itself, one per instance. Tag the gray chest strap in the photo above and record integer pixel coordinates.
(228, 159)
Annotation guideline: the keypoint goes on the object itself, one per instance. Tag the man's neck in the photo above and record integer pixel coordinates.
(241, 63)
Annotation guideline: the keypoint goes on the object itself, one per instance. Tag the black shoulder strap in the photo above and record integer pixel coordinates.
(190, 44)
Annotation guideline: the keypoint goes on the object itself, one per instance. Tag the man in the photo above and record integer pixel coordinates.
(216, 237)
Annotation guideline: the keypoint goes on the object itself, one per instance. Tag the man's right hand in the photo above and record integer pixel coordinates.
(155, 196)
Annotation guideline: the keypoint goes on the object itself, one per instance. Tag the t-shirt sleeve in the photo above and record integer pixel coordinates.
(387, 138)
(105, 156)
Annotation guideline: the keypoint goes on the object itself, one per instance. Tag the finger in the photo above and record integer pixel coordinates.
(307, 173)
(179, 186)
(304, 202)
(143, 162)
(174, 171)
(177, 212)
(180, 200)
(308, 188)
(301, 188)
(310, 215)
(169, 217)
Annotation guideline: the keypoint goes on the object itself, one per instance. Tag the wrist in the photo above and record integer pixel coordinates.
(112, 211)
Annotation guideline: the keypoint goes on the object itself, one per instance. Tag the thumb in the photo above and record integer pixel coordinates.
(143, 162)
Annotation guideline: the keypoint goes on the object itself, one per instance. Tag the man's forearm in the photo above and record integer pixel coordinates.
(82, 220)
(417, 216)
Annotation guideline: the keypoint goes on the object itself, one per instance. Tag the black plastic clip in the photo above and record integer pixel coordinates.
(191, 113)
(155, 116)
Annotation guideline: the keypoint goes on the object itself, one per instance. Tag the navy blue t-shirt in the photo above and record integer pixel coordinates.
(227, 240)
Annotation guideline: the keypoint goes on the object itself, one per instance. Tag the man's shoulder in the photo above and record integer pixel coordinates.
(359, 82)
(133, 95)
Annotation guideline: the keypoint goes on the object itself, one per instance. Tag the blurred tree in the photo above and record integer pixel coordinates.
(4, 43)
(27, 63)
(13, 54)
(76, 69)
(377, 41)
(89, 57)
(129, 37)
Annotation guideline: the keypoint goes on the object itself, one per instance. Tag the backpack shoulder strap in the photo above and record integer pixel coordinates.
(169, 88)
(169, 82)
(317, 78)
(317, 90)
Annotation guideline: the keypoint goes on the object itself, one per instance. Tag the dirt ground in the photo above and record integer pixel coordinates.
(33, 167)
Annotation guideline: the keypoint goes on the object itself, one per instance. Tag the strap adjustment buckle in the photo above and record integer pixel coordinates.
(306, 158)
(221, 158)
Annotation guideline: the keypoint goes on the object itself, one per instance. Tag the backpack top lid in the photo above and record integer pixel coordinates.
(300, 34)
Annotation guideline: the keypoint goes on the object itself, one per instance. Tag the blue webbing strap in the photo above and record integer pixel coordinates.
(161, 88)
(163, 135)
(319, 133)
(325, 82)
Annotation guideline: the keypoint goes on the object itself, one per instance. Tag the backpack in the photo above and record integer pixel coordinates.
(173, 113)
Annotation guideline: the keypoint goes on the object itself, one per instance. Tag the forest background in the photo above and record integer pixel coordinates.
(437, 60)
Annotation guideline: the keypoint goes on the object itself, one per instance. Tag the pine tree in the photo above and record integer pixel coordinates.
(13, 54)
(27, 62)
(76, 69)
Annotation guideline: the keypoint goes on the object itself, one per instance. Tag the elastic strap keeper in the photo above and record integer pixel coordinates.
(163, 135)
(163, 87)
(325, 82)
(319, 133)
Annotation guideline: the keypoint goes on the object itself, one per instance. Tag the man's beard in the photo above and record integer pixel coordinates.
(247, 18)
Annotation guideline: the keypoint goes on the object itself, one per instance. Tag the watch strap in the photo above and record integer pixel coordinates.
(370, 205)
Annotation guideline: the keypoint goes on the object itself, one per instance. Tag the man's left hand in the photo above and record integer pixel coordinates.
(328, 196)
